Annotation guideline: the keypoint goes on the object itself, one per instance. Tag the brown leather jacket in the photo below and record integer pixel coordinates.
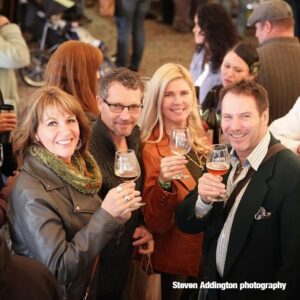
(175, 252)
(59, 226)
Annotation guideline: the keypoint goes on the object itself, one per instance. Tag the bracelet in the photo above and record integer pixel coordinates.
(164, 185)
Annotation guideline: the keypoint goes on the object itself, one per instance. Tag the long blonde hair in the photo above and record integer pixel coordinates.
(152, 112)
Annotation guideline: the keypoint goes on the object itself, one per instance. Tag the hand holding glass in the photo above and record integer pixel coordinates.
(180, 144)
(217, 163)
(127, 167)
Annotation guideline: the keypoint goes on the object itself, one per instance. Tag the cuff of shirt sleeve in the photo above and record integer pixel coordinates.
(201, 208)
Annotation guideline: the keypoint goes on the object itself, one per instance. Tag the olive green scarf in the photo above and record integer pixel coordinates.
(83, 174)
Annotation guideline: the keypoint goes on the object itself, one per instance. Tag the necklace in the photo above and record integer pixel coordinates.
(200, 163)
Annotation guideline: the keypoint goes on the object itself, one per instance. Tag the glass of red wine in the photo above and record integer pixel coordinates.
(127, 167)
(217, 163)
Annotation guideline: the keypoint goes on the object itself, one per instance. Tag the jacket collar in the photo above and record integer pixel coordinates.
(51, 182)
(280, 40)
(43, 174)
(249, 205)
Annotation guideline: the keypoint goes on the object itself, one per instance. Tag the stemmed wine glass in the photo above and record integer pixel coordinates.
(217, 163)
(180, 144)
(127, 167)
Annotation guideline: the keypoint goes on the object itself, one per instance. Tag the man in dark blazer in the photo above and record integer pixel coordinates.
(251, 249)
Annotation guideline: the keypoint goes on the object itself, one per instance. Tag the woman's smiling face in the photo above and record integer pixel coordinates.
(177, 103)
(58, 132)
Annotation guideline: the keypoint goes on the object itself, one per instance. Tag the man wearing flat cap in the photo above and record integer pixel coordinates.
(279, 54)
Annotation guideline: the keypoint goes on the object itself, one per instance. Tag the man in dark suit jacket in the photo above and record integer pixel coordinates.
(254, 245)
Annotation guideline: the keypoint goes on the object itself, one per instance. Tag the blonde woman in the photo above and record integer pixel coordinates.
(171, 102)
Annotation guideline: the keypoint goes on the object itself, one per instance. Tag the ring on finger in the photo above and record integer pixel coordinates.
(119, 189)
(126, 198)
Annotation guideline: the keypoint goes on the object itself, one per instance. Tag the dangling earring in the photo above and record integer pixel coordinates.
(35, 150)
(35, 147)
(255, 68)
(79, 145)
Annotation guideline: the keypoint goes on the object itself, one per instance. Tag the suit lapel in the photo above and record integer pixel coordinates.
(244, 217)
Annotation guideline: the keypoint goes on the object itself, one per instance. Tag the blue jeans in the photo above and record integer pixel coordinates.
(130, 15)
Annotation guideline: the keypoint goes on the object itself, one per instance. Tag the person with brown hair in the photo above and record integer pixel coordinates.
(214, 34)
(74, 67)
(251, 239)
(240, 62)
(121, 101)
(55, 213)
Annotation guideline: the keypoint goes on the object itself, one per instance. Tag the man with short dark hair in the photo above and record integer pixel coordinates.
(120, 104)
(252, 238)
(279, 54)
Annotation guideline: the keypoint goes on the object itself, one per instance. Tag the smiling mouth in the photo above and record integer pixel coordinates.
(64, 142)
(124, 124)
(237, 136)
(178, 110)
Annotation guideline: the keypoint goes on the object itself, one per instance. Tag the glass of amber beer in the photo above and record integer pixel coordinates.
(217, 163)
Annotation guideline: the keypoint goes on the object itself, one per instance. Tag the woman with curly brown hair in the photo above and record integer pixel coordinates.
(214, 34)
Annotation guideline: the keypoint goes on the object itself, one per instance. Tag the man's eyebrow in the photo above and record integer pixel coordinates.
(239, 114)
